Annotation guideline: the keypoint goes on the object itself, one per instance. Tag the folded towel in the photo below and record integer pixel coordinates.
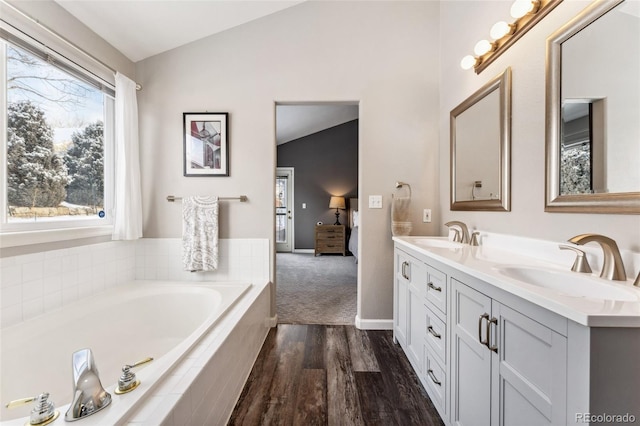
(200, 233)
(400, 224)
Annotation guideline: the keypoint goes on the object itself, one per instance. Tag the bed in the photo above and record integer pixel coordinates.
(353, 227)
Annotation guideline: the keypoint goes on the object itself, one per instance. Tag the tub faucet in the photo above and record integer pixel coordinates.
(612, 267)
(89, 396)
(464, 238)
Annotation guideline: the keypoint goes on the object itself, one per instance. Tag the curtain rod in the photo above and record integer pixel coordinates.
(242, 198)
(64, 40)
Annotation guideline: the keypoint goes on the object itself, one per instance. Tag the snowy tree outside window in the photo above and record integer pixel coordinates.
(55, 142)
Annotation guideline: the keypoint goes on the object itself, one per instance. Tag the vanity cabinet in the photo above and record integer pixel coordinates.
(480, 360)
(506, 368)
(420, 294)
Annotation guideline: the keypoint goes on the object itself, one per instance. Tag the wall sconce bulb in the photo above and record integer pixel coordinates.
(468, 62)
(482, 47)
(501, 29)
(522, 7)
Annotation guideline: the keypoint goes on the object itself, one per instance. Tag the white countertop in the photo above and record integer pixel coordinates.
(484, 261)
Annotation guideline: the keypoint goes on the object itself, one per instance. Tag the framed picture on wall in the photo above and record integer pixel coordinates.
(206, 143)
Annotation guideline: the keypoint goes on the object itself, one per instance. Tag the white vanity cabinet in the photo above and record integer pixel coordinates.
(489, 352)
(482, 362)
(506, 368)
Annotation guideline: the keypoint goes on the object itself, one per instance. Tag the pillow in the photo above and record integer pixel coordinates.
(355, 218)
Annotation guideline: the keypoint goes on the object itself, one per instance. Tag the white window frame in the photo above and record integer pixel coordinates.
(26, 233)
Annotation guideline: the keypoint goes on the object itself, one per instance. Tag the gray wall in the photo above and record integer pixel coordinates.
(326, 164)
(527, 61)
(345, 51)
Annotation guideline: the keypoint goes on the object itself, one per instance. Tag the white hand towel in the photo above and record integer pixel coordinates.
(200, 233)
(400, 224)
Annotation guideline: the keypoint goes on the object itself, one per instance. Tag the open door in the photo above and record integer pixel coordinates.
(284, 209)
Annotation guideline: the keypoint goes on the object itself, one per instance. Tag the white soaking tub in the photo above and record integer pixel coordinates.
(163, 320)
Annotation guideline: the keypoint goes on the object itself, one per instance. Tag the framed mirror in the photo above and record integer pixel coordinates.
(592, 110)
(481, 148)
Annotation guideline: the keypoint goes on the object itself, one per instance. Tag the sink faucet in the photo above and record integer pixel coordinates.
(612, 267)
(89, 396)
(463, 230)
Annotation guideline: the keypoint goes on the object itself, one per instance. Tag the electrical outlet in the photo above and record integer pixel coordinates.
(426, 215)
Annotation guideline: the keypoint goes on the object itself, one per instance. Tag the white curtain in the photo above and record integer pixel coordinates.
(128, 208)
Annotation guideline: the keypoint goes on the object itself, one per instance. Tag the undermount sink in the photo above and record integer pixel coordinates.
(571, 283)
(436, 242)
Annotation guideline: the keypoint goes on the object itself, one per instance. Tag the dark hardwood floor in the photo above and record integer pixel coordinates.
(332, 375)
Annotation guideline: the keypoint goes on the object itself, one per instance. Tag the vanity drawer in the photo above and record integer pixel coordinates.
(437, 288)
(435, 380)
(436, 335)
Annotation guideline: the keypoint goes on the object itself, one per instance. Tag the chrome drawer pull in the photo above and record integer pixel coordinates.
(482, 342)
(433, 333)
(433, 378)
(494, 348)
(430, 284)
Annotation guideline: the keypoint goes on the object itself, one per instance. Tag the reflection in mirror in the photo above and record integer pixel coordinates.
(593, 105)
(480, 144)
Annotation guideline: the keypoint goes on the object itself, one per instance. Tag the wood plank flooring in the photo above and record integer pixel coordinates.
(332, 375)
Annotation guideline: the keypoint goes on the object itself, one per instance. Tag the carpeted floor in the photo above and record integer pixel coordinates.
(316, 290)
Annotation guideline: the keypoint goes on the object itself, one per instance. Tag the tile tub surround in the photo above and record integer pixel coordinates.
(244, 260)
(204, 388)
(33, 284)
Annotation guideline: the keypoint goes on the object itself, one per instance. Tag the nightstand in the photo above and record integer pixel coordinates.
(330, 239)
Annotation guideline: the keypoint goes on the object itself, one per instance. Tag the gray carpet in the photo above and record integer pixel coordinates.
(316, 290)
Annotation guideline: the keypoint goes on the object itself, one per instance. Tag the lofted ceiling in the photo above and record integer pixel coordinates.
(143, 28)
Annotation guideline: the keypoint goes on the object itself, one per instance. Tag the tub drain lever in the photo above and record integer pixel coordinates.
(128, 381)
(43, 413)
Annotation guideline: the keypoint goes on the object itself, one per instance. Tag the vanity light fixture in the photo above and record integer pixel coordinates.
(526, 13)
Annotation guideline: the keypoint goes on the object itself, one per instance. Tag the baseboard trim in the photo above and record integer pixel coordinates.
(373, 324)
(303, 250)
(272, 321)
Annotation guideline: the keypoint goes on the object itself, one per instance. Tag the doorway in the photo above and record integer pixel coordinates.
(320, 142)
(284, 210)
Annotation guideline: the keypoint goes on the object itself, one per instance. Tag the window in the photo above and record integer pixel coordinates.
(57, 141)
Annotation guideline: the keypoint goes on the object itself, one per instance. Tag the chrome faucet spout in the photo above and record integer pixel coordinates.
(612, 266)
(463, 230)
(89, 396)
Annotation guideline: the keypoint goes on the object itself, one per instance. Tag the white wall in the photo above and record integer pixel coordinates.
(383, 55)
(527, 60)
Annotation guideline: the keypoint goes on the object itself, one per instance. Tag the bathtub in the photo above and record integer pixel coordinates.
(163, 320)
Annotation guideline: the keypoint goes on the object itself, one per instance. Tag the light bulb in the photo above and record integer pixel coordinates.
(467, 62)
(482, 47)
(521, 8)
(500, 29)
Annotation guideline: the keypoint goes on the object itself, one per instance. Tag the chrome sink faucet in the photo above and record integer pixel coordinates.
(463, 235)
(89, 396)
(612, 266)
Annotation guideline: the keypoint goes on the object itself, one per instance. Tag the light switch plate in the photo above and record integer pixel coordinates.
(375, 201)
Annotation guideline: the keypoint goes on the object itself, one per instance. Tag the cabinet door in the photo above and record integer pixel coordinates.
(528, 371)
(417, 330)
(471, 359)
(401, 297)
(401, 311)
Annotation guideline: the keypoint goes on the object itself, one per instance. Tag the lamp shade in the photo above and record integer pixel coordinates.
(337, 203)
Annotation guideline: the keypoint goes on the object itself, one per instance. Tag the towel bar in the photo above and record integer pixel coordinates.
(242, 198)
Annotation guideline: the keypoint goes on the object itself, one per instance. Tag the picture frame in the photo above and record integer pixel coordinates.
(206, 144)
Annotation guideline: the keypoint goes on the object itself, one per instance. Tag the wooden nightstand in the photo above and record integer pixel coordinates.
(330, 239)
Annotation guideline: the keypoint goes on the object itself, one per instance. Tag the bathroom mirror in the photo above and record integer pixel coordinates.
(592, 110)
(480, 148)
